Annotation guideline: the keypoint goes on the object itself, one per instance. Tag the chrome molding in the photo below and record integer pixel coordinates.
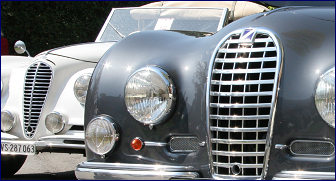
(272, 37)
(304, 175)
(36, 90)
(154, 144)
(312, 141)
(96, 170)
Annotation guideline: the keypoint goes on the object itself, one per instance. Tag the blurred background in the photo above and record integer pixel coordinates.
(44, 25)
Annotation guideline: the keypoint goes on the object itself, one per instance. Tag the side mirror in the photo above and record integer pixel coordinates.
(20, 47)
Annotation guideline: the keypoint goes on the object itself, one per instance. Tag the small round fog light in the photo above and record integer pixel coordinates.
(101, 135)
(55, 122)
(7, 121)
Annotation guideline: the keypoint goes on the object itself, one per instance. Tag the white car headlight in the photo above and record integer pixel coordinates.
(325, 97)
(101, 135)
(81, 86)
(7, 121)
(149, 95)
(55, 122)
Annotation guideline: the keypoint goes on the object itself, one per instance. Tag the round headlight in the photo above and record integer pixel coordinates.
(101, 135)
(149, 95)
(81, 86)
(55, 122)
(325, 97)
(7, 121)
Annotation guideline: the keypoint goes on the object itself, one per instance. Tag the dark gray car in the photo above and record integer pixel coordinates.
(254, 101)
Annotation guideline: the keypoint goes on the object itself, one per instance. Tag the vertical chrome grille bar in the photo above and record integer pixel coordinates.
(242, 89)
(37, 82)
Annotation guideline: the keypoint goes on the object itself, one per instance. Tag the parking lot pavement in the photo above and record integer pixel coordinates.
(47, 166)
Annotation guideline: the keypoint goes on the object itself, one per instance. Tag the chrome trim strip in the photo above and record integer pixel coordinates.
(256, 40)
(234, 177)
(126, 166)
(277, 77)
(240, 117)
(314, 141)
(152, 143)
(41, 145)
(100, 174)
(230, 141)
(223, 19)
(234, 153)
(96, 170)
(268, 93)
(304, 175)
(212, 128)
(70, 135)
(240, 105)
(244, 70)
(217, 82)
(53, 141)
(246, 50)
(241, 165)
(230, 60)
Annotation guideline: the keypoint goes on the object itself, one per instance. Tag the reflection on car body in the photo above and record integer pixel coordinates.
(43, 97)
(256, 100)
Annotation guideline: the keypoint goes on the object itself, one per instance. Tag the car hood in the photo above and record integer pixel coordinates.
(10, 61)
(89, 52)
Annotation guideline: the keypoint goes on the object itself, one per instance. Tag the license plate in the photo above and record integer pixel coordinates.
(18, 148)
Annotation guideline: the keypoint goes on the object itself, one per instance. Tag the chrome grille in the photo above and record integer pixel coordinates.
(241, 100)
(37, 81)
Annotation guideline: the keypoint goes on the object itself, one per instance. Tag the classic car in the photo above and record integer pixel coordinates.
(256, 100)
(43, 97)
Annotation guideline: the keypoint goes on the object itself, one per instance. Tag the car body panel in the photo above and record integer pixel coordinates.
(307, 52)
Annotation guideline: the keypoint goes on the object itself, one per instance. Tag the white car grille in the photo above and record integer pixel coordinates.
(241, 99)
(37, 82)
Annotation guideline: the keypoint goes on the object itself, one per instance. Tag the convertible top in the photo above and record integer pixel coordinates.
(241, 8)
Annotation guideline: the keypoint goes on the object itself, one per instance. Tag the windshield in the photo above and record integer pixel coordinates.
(124, 21)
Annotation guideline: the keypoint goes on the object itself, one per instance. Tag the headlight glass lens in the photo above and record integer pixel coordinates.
(55, 122)
(81, 86)
(101, 135)
(149, 95)
(7, 121)
(325, 97)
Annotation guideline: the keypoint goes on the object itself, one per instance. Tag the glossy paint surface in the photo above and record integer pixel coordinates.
(307, 37)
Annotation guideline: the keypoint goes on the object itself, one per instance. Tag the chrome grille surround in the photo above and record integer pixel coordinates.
(37, 81)
(240, 107)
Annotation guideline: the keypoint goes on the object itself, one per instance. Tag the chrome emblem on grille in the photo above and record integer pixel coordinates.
(248, 36)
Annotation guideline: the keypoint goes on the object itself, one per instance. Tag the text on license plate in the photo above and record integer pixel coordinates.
(18, 148)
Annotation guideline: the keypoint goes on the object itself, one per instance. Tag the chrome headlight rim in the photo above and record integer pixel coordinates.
(13, 123)
(63, 119)
(319, 110)
(171, 94)
(81, 99)
(114, 128)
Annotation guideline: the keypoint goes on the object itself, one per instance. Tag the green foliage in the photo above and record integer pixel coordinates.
(44, 25)
(271, 7)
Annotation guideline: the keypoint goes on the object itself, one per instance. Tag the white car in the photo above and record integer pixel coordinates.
(43, 97)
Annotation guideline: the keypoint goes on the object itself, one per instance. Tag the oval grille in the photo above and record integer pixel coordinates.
(241, 100)
(37, 82)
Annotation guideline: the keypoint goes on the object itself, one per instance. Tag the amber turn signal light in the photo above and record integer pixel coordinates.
(136, 144)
